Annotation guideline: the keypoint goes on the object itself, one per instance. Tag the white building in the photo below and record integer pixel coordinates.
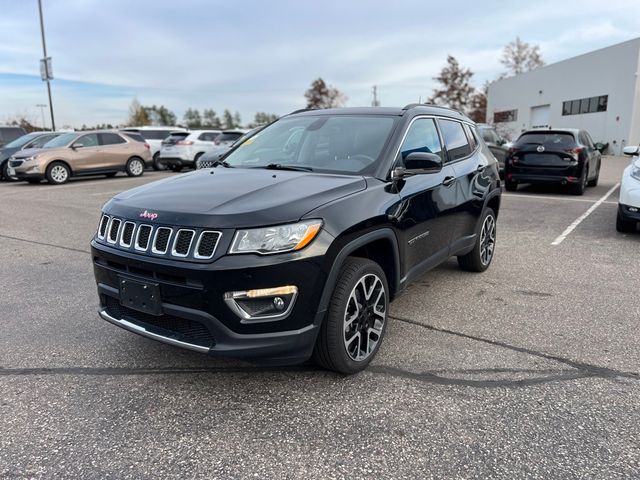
(598, 91)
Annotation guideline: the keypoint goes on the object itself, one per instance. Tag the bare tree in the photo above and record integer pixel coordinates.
(478, 104)
(321, 95)
(454, 91)
(519, 57)
(138, 115)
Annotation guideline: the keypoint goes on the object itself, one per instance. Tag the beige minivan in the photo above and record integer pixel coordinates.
(82, 153)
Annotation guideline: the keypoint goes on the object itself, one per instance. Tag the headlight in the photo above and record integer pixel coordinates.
(281, 238)
(32, 157)
(635, 170)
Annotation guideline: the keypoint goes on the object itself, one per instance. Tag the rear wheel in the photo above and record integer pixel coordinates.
(510, 186)
(175, 168)
(352, 332)
(580, 187)
(594, 182)
(156, 162)
(625, 226)
(135, 167)
(57, 173)
(479, 259)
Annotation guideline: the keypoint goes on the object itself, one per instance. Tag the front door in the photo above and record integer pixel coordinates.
(86, 153)
(423, 216)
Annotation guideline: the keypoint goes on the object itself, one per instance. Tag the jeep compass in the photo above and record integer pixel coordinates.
(293, 245)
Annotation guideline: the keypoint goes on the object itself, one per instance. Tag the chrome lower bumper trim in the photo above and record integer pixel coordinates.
(132, 327)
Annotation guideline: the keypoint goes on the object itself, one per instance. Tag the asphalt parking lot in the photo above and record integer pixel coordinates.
(531, 369)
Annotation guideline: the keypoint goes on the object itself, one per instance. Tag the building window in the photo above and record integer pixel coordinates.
(505, 116)
(585, 105)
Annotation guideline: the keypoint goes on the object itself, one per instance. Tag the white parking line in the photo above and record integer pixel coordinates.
(579, 220)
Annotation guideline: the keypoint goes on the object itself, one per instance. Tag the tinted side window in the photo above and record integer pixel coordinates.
(111, 139)
(455, 140)
(208, 136)
(422, 137)
(89, 140)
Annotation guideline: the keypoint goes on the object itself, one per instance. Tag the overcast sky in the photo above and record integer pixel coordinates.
(261, 55)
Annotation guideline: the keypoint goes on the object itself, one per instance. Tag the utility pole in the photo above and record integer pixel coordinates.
(42, 106)
(47, 62)
(375, 102)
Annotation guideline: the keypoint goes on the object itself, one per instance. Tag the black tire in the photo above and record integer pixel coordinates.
(135, 167)
(510, 186)
(157, 166)
(594, 182)
(175, 168)
(4, 172)
(479, 259)
(331, 349)
(625, 226)
(195, 160)
(581, 186)
(111, 174)
(57, 173)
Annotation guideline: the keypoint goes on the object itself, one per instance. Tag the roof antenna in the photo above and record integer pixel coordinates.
(420, 99)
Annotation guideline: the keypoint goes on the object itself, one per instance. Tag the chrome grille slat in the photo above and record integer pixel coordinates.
(143, 237)
(114, 230)
(161, 240)
(182, 242)
(102, 228)
(126, 239)
(204, 249)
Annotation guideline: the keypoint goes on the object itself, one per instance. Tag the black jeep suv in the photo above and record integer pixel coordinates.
(296, 242)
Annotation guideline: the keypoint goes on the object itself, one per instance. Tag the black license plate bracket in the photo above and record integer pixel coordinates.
(141, 296)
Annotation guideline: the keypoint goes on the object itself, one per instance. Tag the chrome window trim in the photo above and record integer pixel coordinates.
(136, 246)
(133, 234)
(155, 239)
(113, 219)
(195, 250)
(175, 240)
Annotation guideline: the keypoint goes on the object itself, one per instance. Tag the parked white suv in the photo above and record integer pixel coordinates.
(154, 137)
(183, 149)
(629, 201)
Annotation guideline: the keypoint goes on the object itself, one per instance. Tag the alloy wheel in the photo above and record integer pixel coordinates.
(136, 167)
(487, 239)
(59, 174)
(364, 317)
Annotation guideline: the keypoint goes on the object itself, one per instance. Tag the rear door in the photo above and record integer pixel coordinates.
(426, 209)
(84, 156)
(115, 150)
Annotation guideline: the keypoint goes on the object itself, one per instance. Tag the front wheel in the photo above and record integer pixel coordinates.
(135, 167)
(4, 173)
(625, 226)
(479, 259)
(57, 173)
(352, 332)
(157, 166)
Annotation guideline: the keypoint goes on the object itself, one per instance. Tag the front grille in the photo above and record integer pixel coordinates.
(169, 326)
(114, 229)
(142, 241)
(162, 240)
(207, 244)
(15, 163)
(179, 243)
(127, 234)
(182, 243)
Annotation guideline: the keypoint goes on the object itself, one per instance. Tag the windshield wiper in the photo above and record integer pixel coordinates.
(224, 163)
(279, 166)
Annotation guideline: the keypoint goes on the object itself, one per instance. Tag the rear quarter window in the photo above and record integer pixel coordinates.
(455, 140)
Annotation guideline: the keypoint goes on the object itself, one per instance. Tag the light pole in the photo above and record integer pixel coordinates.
(42, 106)
(47, 73)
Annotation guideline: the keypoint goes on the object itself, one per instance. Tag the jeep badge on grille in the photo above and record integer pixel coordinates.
(149, 215)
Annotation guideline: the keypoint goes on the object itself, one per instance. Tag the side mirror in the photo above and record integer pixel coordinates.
(422, 162)
(77, 145)
(631, 150)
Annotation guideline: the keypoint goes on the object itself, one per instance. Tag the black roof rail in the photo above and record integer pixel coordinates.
(302, 110)
(431, 105)
(412, 105)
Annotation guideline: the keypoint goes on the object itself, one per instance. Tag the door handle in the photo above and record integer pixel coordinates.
(448, 181)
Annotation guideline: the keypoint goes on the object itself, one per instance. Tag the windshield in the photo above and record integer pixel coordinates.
(61, 141)
(327, 143)
(21, 141)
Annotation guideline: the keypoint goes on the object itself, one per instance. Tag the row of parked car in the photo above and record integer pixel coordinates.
(57, 156)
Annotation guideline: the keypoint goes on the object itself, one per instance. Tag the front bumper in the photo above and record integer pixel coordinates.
(194, 313)
(628, 212)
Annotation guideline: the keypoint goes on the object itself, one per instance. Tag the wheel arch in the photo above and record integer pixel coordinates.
(377, 246)
(59, 160)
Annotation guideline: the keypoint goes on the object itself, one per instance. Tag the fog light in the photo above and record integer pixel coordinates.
(265, 304)
(633, 209)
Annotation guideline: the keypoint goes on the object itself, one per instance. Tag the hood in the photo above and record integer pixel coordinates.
(5, 153)
(234, 197)
(28, 152)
